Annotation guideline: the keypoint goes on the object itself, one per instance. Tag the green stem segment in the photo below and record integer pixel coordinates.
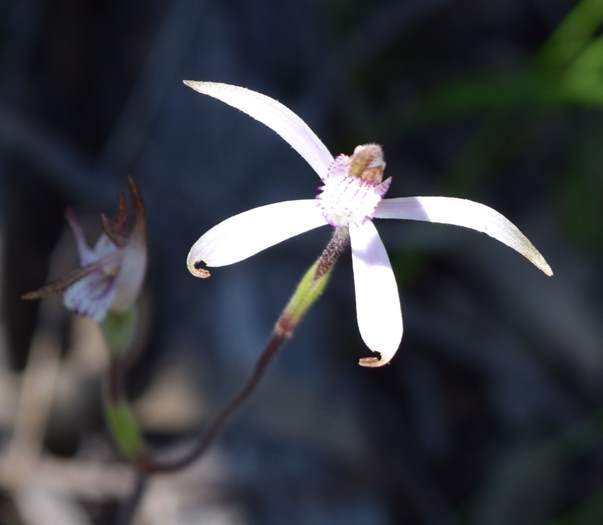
(312, 284)
(119, 329)
(125, 430)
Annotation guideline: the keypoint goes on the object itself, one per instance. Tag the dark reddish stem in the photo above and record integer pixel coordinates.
(153, 465)
(148, 463)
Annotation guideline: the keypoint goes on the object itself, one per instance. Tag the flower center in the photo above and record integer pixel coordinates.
(353, 186)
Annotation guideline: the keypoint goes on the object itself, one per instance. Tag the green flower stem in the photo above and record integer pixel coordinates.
(312, 284)
(125, 430)
(306, 293)
(119, 329)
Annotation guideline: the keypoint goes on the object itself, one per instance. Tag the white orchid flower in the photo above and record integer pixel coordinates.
(351, 196)
(111, 274)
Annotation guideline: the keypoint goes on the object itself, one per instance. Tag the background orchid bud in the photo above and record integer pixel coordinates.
(111, 274)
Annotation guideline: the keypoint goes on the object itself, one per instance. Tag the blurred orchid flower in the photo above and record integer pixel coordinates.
(351, 195)
(111, 274)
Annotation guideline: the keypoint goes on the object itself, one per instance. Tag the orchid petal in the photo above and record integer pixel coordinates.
(274, 115)
(104, 247)
(466, 213)
(92, 295)
(108, 264)
(59, 285)
(115, 228)
(252, 231)
(131, 275)
(377, 302)
(86, 254)
(134, 261)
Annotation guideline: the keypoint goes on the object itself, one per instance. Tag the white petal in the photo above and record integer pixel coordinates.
(463, 212)
(128, 282)
(92, 295)
(252, 231)
(134, 256)
(103, 247)
(274, 115)
(377, 302)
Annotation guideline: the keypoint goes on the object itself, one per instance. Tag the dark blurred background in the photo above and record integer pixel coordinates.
(491, 411)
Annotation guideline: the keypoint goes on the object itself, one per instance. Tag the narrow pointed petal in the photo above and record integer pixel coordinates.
(377, 301)
(131, 274)
(115, 228)
(86, 254)
(466, 213)
(134, 262)
(104, 247)
(59, 285)
(91, 296)
(252, 231)
(276, 116)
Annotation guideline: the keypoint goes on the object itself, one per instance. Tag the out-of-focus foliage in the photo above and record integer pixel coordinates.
(568, 69)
